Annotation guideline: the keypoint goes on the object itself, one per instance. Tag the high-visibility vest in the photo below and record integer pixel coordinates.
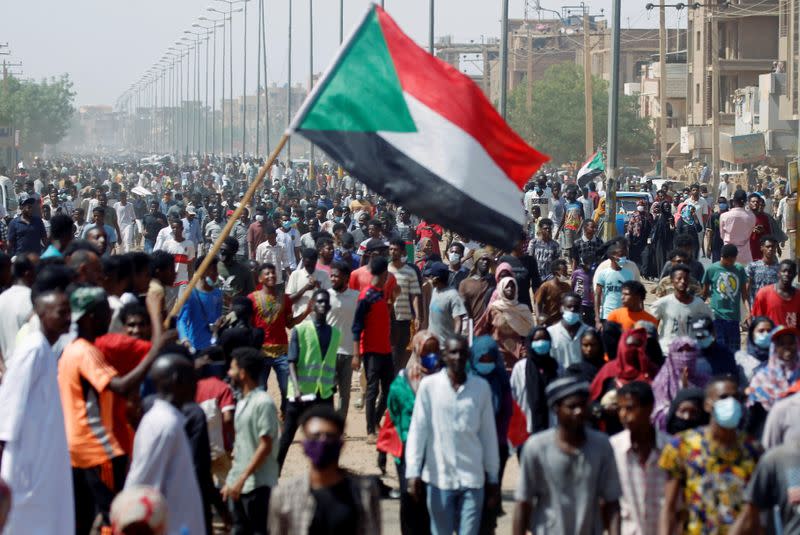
(315, 374)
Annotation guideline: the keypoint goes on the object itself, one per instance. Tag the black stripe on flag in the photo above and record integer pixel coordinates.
(384, 169)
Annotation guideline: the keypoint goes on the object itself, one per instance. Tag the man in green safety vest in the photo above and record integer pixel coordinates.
(312, 368)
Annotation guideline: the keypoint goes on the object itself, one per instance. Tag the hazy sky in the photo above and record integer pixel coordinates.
(106, 45)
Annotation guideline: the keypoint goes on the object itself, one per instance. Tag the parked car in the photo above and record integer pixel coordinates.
(626, 206)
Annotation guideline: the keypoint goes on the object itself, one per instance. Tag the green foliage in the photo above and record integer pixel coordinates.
(555, 126)
(42, 110)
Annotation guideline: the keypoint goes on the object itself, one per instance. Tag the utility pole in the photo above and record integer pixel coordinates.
(431, 17)
(244, 83)
(529, 76)
(613, 106)
(289, 90)
(715, 104)
(258, 78)
(504, 59)
(311, 175)
(587, 87)
(662, 87)
(266, 83)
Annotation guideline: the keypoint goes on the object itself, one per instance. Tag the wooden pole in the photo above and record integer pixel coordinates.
(200, 271)
(587, 88)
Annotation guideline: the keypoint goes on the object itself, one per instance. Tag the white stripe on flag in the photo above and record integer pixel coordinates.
(458, 159)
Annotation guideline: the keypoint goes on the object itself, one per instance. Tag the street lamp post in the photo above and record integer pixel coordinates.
(289, 89)
(213, 30)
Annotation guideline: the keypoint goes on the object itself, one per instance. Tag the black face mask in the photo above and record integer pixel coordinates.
(678, 425)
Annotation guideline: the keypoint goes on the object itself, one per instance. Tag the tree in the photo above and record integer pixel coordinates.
(555, 126)
(42, 111)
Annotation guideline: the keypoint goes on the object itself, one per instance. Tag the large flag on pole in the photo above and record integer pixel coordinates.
(420, 133)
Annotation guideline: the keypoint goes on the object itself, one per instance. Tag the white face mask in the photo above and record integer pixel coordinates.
(454, 258)
(259, 218)
(640, 208)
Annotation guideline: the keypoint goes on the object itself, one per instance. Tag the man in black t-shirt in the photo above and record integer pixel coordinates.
(327, 500)
(152, 222)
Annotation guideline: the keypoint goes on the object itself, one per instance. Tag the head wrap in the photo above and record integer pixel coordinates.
(683, 355)
(563, 388)
(139, 505)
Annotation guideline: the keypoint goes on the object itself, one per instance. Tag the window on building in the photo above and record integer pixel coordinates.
(699, 40)
(697, 93)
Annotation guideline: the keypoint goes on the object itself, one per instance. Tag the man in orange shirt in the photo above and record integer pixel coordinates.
(632, 309)
(87, 382)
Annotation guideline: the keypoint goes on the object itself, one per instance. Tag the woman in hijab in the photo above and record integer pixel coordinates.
(508, 321)
(530, 377)
(502, 271)
(770, 382)
(593, 357)
(640, 225)
(757, 350)
(686, 411)
(486, 362)
(425, 253)
(660, 243)
(424, 360)
(631, 364)
(679, 371)
(690, 225)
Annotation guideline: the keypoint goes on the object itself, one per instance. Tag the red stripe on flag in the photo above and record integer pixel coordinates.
(458, 99)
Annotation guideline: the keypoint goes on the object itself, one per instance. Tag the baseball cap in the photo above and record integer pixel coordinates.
(436, 270)
(86, 299)
(375, 244)
(191, 210)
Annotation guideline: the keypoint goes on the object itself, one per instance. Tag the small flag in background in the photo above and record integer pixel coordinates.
(591, 168)
(420, 133)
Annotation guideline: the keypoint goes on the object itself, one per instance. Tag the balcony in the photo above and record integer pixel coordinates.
(746, 65)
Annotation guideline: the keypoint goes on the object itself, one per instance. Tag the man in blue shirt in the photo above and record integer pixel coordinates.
(98, 220)
(198, 317)
(26, 232)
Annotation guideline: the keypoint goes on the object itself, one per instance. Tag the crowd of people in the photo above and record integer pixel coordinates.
(647, 384)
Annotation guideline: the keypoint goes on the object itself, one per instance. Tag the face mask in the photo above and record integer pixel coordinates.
(762, 340)
(484, 368)
(622, 260)
(455, 258)
(706, 342)
(430, 361)
(287, 225)
(211, 282)
(728, 412)
(322, 453)
(723, 207)
(640, 208)
(570, 317)
(259, 218)
(680, 425)
(541, 347)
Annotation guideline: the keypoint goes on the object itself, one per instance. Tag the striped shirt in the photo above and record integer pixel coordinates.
(408, 283)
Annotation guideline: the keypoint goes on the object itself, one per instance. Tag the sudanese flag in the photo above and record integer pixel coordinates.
(420, 133)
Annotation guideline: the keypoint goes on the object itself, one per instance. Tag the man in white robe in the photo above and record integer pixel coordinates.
(34, 459)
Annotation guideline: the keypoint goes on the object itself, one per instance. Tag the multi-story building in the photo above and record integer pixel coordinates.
(675, 108)
(748, 47)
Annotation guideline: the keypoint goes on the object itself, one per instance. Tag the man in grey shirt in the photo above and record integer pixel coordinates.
(446, 313)
(775, 482)
(568, 481)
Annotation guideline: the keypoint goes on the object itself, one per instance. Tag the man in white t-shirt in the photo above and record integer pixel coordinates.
(126, 219)
(700, 205)
(184, 251)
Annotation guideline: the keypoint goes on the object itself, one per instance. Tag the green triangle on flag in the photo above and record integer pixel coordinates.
(361, 92)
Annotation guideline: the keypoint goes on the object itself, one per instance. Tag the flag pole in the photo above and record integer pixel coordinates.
(243, 202)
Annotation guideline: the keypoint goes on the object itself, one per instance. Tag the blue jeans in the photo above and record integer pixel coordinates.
(728, 334)
(148, 245)
(455, 510)
(281, 367)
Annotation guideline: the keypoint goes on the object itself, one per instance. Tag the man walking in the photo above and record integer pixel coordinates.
(724, 282)
(312, 368)
(344, 301)
(407, 304)
(452, 445)
(736, 226)
(568, 472)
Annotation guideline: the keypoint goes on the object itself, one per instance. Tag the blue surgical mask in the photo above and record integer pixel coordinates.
(728, 412)
(762, 340)
(706, 342)
(570, 317)
(484, 368)
(622, 260)
(211, 282)
(541, 347)
(430, 361)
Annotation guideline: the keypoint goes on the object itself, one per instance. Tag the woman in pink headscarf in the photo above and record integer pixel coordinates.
(679, 371)
(507, 321)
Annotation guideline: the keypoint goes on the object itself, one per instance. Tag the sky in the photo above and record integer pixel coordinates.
(106, 45)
